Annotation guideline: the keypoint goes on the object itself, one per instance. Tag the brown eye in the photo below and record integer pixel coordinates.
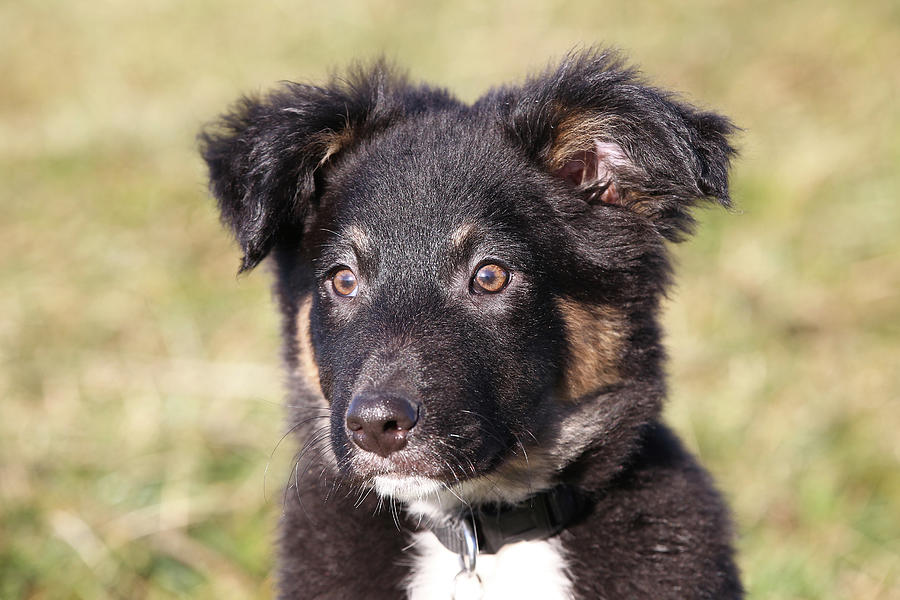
(344, 283)
(490, 279)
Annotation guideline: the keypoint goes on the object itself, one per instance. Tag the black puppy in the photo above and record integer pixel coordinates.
(470, 298)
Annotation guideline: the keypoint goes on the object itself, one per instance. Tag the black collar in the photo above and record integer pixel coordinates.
(493, 526)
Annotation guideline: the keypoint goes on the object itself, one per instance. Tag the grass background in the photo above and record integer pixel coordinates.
(139, 382)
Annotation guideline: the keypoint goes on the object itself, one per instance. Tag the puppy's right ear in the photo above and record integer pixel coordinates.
(267, 154)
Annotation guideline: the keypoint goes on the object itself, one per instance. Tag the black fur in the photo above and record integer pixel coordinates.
(301, 172)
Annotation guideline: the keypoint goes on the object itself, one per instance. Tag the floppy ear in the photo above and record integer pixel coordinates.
(594, 124)
(267, 155)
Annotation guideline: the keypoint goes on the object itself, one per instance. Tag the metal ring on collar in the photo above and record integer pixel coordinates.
(469, 554)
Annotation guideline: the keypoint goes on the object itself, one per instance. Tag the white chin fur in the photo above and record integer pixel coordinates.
(406, 489)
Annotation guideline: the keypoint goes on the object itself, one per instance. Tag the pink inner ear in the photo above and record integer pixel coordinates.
(578, 168)
(596, 168)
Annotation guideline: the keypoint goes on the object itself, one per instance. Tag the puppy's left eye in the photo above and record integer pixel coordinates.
(489, 279)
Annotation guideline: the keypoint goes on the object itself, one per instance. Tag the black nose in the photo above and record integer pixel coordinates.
(380, 422)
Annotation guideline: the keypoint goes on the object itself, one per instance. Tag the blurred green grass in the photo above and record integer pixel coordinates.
(140, 378)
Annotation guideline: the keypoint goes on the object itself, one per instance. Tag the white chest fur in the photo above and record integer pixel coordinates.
(521, 571)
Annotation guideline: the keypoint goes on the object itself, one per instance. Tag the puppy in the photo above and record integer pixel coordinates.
(470, 298)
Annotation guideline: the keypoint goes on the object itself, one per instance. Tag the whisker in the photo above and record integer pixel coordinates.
(309, 447)
(278, 443)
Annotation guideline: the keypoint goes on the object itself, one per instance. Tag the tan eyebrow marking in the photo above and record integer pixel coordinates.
(359, 239)
(459, 236)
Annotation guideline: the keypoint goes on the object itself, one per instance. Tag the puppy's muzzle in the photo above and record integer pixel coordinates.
(380, 422)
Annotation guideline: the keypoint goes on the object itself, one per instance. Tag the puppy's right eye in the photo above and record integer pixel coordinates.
(344, 283)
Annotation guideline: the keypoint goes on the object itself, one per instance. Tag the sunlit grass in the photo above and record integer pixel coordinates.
(140, 378)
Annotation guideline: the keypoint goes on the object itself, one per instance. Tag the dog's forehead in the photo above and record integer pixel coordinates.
(429, 186)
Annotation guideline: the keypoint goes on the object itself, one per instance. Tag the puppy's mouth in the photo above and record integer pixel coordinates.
(422, 469)
(406, 463)
(421, 462)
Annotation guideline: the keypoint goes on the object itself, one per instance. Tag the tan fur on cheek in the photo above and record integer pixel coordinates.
(306, 361)
(597, 337)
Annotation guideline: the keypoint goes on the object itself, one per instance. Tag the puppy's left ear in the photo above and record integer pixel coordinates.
(592, 123)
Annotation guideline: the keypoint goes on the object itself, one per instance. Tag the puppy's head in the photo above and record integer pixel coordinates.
(470, 291)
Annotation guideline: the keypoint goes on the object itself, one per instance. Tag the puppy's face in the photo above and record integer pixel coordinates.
(470, 291)
(437, 341)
